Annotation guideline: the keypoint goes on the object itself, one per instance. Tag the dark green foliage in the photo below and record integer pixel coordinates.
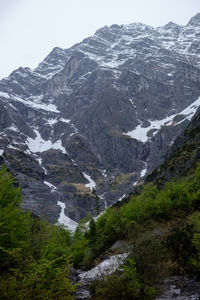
(97, 205)
(80, 246)
(41, 279)
(91, 234)
(14, 223)
(34, 256)
(195, 258)
(180, 246)
(149, 255)
(9, 195)
(163, 252)
(48, 241)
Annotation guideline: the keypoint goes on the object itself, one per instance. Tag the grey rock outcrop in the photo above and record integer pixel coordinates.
(182, 288)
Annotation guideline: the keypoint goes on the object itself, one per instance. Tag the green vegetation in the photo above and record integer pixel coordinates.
(162, 227)
(34, 256)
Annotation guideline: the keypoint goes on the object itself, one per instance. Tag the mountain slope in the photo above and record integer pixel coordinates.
(156, 227)
(183, 155)
(99, 115)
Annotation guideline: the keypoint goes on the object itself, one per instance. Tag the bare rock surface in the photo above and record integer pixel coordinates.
(109, 107)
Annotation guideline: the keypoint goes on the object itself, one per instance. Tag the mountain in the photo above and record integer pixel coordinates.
(91, 121)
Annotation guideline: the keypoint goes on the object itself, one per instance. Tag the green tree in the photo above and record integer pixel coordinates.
(34, 255)
(31, 279)
(14, 223)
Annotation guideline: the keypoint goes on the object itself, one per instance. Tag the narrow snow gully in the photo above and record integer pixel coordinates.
(91, 185)
(51, 186)
(66, 221)
(106, 187)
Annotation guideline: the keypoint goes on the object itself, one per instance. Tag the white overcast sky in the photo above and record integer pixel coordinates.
(29, 29)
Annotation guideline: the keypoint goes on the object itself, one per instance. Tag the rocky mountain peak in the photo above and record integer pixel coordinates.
(173, 27)
(102, 30)
(90, 121)
(115, 32)
(53, 63)
(194, 21)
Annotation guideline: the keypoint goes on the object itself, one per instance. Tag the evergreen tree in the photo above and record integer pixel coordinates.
(14, 223)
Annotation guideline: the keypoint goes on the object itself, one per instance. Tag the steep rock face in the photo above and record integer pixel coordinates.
(98, 116)
(182, 156)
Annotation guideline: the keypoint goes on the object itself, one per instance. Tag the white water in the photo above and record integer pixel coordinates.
(40, 163)
(51, 186)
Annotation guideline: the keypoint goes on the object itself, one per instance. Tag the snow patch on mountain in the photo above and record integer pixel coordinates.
(56, 120)
(65, 120)
(40, 145)
(50, 185)
(13, 147)
(91, 184)
(39, 159)
(4, 95)
(36, 105)
(143, 172)
(104, 173)
(102, 196)
(143, 133)
(191, 109)
(66, 221)
(13, 128)
(52, 121)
